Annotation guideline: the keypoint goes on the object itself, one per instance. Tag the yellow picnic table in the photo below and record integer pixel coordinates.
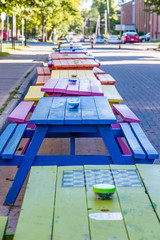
(60, 202)
(112, 94)
(80, 74)
(34, 94)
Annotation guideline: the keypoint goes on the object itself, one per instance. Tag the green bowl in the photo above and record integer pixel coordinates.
(104, 191)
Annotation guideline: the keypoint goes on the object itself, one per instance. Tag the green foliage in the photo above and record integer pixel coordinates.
(154, 4)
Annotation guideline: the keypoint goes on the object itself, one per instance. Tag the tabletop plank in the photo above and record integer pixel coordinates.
(3, 226)
(41, 112)
(55, 74)
(99, 229)
(96, 88)
(150, 175)
(61, 86)
(73, 88)
(57, 111)
(89, 111)
(111, 93)
(85, 87)
(73, 116)
(50, 85)
(104, 111)
(36, 216)
(71, 217)
(140, 219)
(34, 93)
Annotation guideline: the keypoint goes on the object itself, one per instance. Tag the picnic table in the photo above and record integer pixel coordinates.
(59, 56)
(60, 202)
(65, 87)
(87, 64)
(52, 116)
(79, 74)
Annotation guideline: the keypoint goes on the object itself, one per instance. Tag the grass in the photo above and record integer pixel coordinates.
(17, 47)
(2, 54)
(11, 96)
(155, 41)
(27, 75)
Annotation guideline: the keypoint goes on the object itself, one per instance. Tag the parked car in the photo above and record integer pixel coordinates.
(113, 39)
(32, 39)
(4, 35)
(145, 37)
(100, 39)
(130, 37)
(82, 39)
(20, 38)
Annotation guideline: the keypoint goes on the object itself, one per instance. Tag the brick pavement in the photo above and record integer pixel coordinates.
(138, 82)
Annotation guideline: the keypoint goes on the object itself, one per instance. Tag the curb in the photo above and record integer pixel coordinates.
(24, 84)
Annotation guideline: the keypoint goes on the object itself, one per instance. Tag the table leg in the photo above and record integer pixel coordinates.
(26, 164)
(72, 145)
(111, 144)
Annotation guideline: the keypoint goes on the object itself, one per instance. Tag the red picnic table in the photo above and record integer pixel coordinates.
(76, 63)
(59, 56)
(65, 87)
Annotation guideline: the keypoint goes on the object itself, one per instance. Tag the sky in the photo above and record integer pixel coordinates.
(87, 4)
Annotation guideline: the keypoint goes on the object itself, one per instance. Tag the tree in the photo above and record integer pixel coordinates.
(154, 5)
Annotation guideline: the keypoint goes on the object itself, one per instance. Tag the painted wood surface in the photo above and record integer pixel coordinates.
(53, 111)
(6, 135)
(125, 112)
(56, 56)
(140, 219)
(67, 88)
(97, 70)
(106, 79)
(144, 141)
(41, 71)
(36, 216)
(41, 80)
(74, 73)
(132, 141)
(14, 142)
(71, 216)
(150, 175)
(3, 226)
(112, 94)
(20, 113)
(34, 94)
(102, 229)
(77, 63)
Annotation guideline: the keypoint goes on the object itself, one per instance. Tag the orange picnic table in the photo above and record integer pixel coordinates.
(87, 64)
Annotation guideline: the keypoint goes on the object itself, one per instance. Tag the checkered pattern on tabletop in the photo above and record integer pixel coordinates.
(97, 176)
(73, 178)
(126, 178)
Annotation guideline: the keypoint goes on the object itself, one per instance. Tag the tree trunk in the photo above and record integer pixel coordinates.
(50, 33)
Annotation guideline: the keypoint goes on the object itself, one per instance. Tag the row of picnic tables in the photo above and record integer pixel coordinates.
(65, 193)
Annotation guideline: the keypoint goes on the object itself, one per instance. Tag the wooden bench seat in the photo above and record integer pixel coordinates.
(34, 94)
(3, 226)
(138, 142)
(36, 216)
(112, 94)
(20, 113)
(106, 79)
(125, 112)
(41, 71)
(41, 80)
(10, 139)
(97, 70)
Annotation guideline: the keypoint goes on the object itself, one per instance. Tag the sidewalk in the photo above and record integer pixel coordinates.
(19, 70)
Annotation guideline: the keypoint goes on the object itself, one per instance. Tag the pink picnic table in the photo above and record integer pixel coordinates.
(59, 56)
(63, 87)
(74, 64)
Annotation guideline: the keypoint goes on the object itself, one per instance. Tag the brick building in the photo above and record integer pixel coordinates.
(133, 12)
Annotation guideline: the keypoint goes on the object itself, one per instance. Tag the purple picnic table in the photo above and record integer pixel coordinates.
(65, 87)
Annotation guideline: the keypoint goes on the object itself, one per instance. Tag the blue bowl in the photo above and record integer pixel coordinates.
(73, 104)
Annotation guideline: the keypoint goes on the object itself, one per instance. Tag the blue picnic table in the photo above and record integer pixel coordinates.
(54, 119)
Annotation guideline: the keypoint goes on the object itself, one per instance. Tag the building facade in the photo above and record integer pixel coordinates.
(135, 12)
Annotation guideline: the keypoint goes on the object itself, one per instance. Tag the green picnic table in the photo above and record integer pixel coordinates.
(59, 203)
